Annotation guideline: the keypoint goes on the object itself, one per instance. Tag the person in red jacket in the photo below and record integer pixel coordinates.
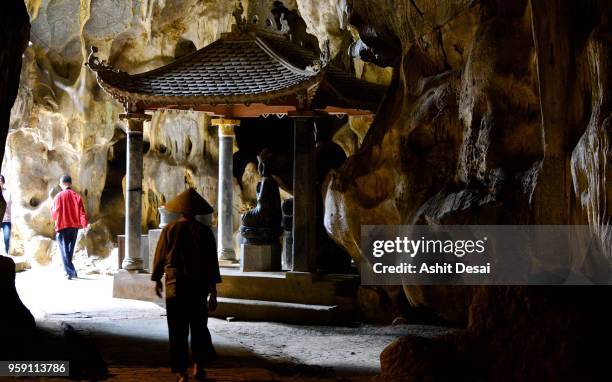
(69, 215)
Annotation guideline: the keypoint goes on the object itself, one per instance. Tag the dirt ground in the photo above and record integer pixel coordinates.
(131, 336)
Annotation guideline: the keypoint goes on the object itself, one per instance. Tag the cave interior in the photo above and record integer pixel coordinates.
(449, 112)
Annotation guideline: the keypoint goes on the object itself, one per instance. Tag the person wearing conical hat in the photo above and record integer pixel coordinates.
(187, 254)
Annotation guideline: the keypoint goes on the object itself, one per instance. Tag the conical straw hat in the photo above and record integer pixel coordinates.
(189, 202)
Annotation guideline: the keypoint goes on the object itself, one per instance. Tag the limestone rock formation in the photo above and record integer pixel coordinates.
(14, 31)
(507, 326)
(460, 137)
(16, 314)
(16, 321)
(497, 114)
(64, 123)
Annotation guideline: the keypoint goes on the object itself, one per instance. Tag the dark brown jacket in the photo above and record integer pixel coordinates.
(186, 252)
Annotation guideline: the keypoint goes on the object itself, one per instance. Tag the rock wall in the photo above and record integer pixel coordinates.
(480, 123)
(64, 123)
(16, 322)
(14, 31)
(497, 113)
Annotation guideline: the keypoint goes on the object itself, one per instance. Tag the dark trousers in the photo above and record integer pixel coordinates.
(185, 314)
(6, 230)
(66, 238)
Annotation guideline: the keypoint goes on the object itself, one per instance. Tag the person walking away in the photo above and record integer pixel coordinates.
(6, 219)
(69, 215)
(187, 254)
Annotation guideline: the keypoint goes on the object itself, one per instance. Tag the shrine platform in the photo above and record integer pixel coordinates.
(290, 297)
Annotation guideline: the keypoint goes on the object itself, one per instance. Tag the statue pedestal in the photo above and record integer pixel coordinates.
(258, 258)
(287, 257)
(153, 240)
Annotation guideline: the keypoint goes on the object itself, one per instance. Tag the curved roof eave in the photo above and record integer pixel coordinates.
(205, 66)
(124, 96)
(268, 49)
(265, 70)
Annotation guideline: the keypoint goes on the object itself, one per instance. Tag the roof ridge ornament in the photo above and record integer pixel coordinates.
(247, 24)
(323, 60)
(325, 53)
(285, 28)
(98, 65)
(238, 16)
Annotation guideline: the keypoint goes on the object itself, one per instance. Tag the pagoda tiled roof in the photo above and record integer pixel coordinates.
(238, 68)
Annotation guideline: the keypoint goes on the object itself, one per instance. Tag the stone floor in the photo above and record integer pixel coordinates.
(131, 336)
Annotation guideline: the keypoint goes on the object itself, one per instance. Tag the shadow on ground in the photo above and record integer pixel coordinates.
(94, 354)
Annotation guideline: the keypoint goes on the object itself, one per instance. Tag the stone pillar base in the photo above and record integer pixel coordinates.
(143, 263)
(133, 264)
(228, 255)
(254, 258)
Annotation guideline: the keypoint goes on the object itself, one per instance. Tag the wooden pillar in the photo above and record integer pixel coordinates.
(225, 197)
(133, 194)
(304, 197)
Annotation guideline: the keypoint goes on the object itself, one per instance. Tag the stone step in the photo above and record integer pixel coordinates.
(291, 313)
(298, 298)
(290, 287)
